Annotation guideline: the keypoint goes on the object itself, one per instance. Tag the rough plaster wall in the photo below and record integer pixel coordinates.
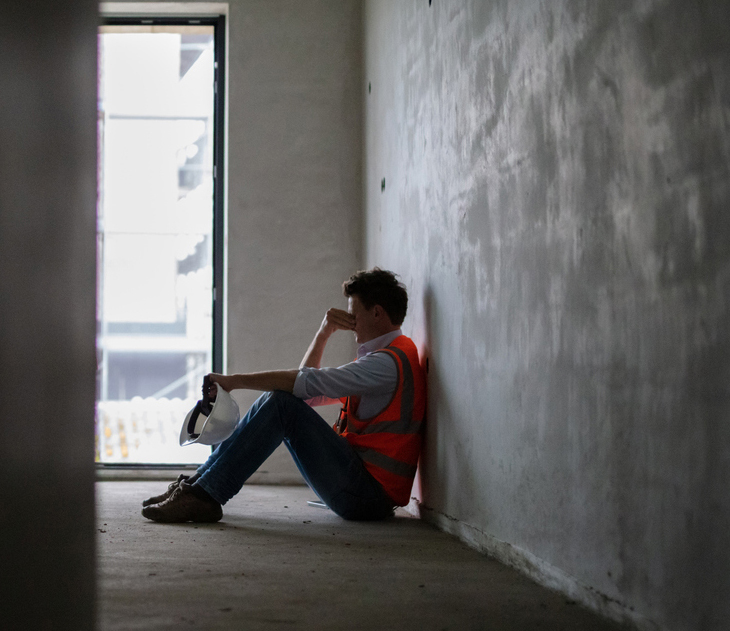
(295, 193)
(47, 313)
(556, 198)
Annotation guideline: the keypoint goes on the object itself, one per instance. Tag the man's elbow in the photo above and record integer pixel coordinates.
(288, 380)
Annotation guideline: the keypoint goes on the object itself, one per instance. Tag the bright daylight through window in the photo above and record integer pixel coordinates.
(155, 237)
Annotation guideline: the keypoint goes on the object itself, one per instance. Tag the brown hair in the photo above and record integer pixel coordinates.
(379, 287)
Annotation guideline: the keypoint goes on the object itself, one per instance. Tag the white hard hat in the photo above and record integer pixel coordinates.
(215, 426)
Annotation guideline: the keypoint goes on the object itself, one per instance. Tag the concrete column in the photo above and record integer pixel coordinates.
(47, 319)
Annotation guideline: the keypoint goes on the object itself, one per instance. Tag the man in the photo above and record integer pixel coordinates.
(363, 468)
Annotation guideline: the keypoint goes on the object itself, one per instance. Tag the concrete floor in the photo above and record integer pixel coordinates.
(275, 562)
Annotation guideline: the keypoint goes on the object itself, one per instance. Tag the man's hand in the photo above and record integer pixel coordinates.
(334, 320)
(225, 381)
(337, 320)
(266, 381)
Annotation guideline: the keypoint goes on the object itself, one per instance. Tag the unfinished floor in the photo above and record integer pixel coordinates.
(276, 562)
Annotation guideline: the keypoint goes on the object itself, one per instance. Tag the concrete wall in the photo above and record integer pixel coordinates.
(557, 187)
(294, 182)
(47, 313)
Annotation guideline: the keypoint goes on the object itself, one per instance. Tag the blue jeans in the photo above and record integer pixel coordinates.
(328, 463)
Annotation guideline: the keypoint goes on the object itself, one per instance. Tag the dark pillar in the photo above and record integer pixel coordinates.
(47, 313)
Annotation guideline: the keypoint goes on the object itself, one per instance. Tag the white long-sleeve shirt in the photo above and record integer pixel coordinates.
(372, 376)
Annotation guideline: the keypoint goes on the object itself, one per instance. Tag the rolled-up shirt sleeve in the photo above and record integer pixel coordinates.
(374, 374)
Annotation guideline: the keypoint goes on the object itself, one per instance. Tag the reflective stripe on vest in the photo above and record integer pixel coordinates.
(392, 427)
(391, 465)
(406, 400)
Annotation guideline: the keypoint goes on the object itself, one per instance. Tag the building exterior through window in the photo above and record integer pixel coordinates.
(156, 117)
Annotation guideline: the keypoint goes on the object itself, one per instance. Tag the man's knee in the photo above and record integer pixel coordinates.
(289, 409)
(286, 402)
(283, 398)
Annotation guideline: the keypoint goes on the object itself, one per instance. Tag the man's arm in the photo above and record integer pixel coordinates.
(265, 381)
(334, 320)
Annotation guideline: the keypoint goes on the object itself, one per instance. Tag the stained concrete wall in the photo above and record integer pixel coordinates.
(47, 313)
(294, 184)
(556, 197)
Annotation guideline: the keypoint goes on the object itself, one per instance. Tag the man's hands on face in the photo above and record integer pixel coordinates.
(334, 320)
(337, 320)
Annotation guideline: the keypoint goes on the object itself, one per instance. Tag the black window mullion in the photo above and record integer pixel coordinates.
(218, 194)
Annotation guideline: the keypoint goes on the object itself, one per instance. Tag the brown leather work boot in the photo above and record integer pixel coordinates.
(156, 499)
(183, 505)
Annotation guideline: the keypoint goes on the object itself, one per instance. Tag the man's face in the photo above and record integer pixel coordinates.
(365, 323)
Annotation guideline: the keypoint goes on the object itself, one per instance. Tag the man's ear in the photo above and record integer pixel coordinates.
(378, 311)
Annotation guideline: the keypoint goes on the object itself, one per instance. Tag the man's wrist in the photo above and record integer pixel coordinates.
(323, 334)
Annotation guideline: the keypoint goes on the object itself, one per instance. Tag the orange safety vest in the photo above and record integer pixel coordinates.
(390, 442)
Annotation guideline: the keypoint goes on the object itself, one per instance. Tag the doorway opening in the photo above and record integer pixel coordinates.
(159, 232)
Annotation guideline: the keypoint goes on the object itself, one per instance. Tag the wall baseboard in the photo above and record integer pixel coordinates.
(533, 567)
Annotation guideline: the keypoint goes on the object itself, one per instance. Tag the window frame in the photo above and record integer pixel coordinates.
(114, 14)
(218, 22)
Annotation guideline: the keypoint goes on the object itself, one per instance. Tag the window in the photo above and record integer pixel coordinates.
(160, 232)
